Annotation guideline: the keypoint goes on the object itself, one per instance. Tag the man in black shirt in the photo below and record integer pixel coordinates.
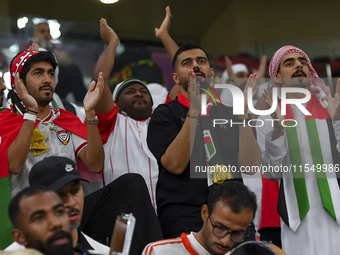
(179, 197)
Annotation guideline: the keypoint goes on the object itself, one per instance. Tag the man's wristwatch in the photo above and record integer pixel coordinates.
(92, 122)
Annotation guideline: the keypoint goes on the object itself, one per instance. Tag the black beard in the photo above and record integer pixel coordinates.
(66, 249)
(43, 102)
(61, 249)
(184, 84)
(48, 249)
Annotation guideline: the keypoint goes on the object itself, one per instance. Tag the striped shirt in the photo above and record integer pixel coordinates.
(186, 244)
(126, 150)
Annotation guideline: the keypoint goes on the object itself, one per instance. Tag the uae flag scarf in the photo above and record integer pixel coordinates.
(216, 155)
(322, 143)
(10, 123)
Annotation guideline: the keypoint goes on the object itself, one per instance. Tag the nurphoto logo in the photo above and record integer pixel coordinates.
(238, 101)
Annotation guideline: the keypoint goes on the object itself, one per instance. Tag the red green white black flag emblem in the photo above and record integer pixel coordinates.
(209, 146)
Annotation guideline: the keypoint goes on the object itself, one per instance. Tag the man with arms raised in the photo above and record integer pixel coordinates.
(309, 200)
(123, 121)
(44, 131)
(179, 197)
(32, 130)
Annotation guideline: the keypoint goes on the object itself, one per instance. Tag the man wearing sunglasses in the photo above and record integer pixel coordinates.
(229, 211)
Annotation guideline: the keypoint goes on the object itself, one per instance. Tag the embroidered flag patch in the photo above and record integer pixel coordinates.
(209, 146)
(63, 136)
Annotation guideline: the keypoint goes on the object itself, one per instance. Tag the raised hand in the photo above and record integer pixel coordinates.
(334, 102)
(107, 33)
(194, 93)
(29, 102)
(165, 26)
(34, 47)
(261, 71)
(251, 83)
(269, 101)
(94, 94)
(228, 66)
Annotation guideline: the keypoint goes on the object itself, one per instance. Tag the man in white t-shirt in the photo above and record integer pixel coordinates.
(123, 121)
(32, 130)
(230, 209)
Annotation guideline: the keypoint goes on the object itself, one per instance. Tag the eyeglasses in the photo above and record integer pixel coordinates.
(236, 236)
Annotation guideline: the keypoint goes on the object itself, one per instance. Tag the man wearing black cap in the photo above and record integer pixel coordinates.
(64, 179)
(96, 214)
(123, 121)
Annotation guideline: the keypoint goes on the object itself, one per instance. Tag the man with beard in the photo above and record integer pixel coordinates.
(40, 221)
(32, 130)
(93, 217)
(63, 178)
(179, 197)
(123, 121)
(230, 208)
(309, 144)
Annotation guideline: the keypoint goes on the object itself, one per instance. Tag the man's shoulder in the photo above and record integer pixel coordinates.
(166, 247)
(69, 122)
(7, 113)
(171, 108)
(10, 124)
(62, 112)
(110, 116)
(98, 248)
(223, 107)
(161, 107)
(220, 110)
(14, 247)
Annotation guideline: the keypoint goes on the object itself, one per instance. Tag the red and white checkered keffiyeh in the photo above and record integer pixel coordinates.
(317, 86)
(18, 64)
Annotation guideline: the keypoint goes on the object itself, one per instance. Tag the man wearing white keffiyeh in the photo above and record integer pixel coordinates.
(309, 200)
